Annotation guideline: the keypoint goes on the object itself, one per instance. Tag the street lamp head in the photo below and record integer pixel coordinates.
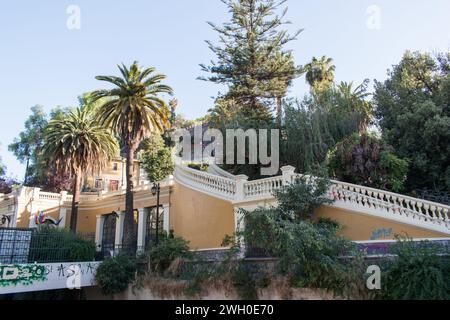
(5, 219)
(154, 189)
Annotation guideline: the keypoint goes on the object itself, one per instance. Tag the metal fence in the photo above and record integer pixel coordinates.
(14, 245)
(19, 246)
(114, 250)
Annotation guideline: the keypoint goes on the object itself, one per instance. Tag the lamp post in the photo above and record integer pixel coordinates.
(156, 191)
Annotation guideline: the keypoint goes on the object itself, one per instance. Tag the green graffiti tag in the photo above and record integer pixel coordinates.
(21, 274)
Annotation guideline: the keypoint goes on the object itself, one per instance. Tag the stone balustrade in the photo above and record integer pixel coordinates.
(209, 183)
(345, 195)
(391, 203)
(47, 196)
(262, 188)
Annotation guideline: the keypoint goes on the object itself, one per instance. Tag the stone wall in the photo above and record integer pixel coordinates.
(277, 290)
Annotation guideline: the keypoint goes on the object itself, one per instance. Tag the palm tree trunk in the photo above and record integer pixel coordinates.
(129, 239)
(75, 201)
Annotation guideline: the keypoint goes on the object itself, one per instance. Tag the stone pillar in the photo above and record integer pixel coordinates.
(62, 210)
(119, 230)
(62, 216)
(240, 190)
(166, 218)
(99, 232)
(142, 220)
(288, 173)
(63, 196)
(34, 207)
(19, 206)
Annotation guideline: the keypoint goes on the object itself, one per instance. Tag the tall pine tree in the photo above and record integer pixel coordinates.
(251, 58)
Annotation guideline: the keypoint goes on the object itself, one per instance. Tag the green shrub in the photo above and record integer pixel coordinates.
(199, 167)
(168, 250)
(309, 253)
(366, 160)
(114, 275)
(245, 283)
(312, 128)
(419, 272)
(49, 244)
(327, 224)
(300, 199)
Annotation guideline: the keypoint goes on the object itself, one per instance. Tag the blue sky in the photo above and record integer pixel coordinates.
(43, 62)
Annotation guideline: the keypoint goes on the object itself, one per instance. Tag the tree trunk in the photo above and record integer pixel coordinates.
(279, 109)
(75, 201)
(25, 180)
(129, 232)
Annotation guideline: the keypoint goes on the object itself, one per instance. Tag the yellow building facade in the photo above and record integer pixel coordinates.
(205, 207)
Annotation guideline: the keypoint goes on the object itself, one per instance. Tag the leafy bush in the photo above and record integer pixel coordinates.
(328, 224)
(114, 275)
(168, 250)
(244, 282)
(8, 185)
(312, 129)
(199, 167)
(366, 160)
(419, 272)
(309, 254)
(299, 199)
(49, 244)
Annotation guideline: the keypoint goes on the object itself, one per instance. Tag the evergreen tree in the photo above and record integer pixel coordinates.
(28, 147)
(413, 111)
(251, 59)
(156, 158)
(312, 129)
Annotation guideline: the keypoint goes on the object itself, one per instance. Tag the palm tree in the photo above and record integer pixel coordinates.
(320, 74)
(78, 145)
(133, 111)
(355, 99)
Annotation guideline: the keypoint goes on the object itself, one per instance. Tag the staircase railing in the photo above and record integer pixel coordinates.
(391, 203)
(345, 195)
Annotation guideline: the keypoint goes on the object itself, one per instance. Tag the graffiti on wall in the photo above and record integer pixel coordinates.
(34, 277)
(21, 274)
